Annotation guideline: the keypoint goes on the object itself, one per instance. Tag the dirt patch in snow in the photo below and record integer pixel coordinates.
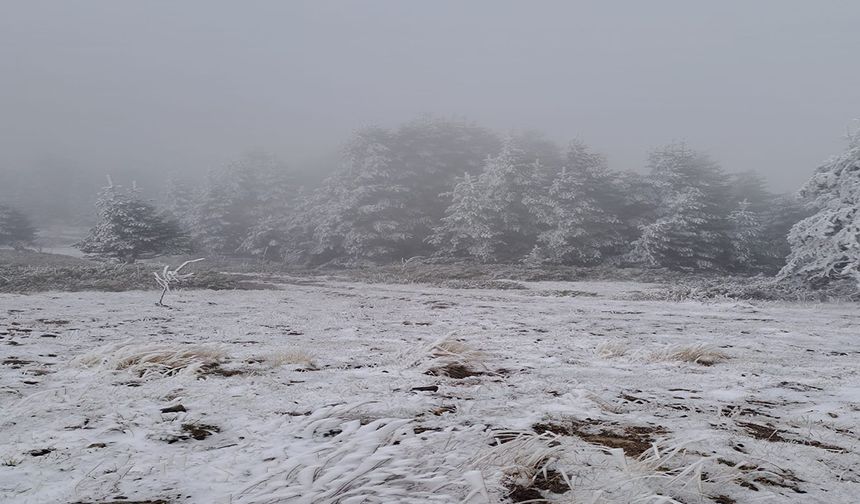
(770, 433)
(633, 440)
(454, 370)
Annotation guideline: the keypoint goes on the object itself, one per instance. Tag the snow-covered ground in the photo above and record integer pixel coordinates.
(325, 392)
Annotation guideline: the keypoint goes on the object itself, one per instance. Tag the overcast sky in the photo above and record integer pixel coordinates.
(764, 85)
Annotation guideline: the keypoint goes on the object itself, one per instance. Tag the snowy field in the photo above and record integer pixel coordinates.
(326, 391)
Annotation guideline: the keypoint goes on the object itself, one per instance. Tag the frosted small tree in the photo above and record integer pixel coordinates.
(579, 223)
(129, 228)
(16, 231)
(826, 245)
(169, 278)
(466, 230)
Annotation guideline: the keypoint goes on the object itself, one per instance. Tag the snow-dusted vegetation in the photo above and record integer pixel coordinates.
(329, 391)
(454, 252)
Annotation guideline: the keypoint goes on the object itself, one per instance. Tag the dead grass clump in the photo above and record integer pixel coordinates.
(156, 359)
(610, 349)
(701, 354)
(454, 349)
(334, 459)
(294, 357)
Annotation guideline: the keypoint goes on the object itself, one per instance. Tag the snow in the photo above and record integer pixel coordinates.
(322, 408)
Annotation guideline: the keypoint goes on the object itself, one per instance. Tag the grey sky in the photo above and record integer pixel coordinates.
(764, 85)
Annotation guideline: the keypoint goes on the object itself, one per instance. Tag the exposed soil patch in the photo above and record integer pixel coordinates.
(798, 387)
(200, 431)
(453, 370)
(518, 493)
(15, 363)
(440, 305)
(53, 322)
(634, 440)
(157, 501)
(197, 431)
(551, 481)
(770, 433)
(215, 369)
(723, 499)
(781, 484)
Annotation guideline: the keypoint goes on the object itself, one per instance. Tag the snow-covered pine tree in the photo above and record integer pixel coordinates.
(826, 245)
(783, 212)
(16, 231)
(745, 237)
(214, 226)
(381, 219)
(179, 199)
(577, 213)
(509, 181)
(242, 208)
(274, 210)
(367, 210)
(467, 228)
(690, 225)
(129, 228)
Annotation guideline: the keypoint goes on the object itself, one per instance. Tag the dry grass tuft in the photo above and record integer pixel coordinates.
(611, 349)
(454, 349)
(337, 460)
(155, 359)
(294, 357)
(705, 355)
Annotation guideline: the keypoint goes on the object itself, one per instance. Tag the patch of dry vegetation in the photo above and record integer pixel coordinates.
(156, 359)
(702, 354)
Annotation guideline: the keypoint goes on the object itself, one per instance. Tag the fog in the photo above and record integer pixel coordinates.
(149, 88)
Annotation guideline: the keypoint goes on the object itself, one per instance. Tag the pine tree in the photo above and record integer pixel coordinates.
(367, 210)
(690, 225)
(274, 210)
(577, 213)
(777, 220)
(245, 208)
(179, 199)
(15, 228)
(509, 181)
(826, 245)
(387, 199)
(467, 228)
(745, 237)
(214, 226)
(129, 228)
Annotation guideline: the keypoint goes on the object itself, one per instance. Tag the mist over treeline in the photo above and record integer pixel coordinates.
(435, 187)
(56, 190)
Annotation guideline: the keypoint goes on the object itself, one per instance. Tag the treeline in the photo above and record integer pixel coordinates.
(452, 189)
